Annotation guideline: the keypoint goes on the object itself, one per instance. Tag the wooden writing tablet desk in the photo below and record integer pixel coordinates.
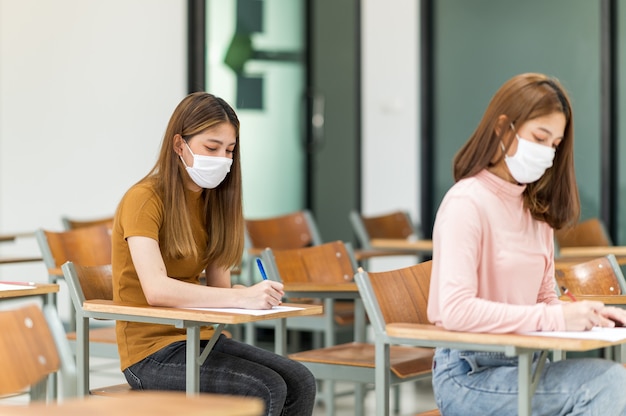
(4, 238)
(191, 319)
(419, 246)
(153, 403)
(35, 289)
(581, 254)
(329, 292)
(513, 345)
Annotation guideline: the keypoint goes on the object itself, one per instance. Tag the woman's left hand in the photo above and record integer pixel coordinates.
(616, 315)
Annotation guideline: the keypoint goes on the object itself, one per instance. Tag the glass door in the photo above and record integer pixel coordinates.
(256, 62)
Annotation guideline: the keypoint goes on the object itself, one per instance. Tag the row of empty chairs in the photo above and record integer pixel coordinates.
(333, 263)
(298, 230)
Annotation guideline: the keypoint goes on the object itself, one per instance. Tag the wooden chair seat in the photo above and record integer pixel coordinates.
(405, 361)
(434, 412)
(102, 335)
(344, 313)
(112, 391)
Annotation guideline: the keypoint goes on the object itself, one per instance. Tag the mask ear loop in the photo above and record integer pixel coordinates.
(190, 151)
(502, 143)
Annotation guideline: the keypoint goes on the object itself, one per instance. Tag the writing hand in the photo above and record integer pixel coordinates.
(616, 315)
(584, 315)
(263, 295)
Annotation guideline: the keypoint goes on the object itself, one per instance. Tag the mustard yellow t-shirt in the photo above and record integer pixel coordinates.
(140, 213)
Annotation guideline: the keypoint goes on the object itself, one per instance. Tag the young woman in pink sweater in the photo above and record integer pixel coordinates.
(493, 259)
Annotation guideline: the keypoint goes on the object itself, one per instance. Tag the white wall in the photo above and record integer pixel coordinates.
(86, 90)
(390, 110)
(87, 87)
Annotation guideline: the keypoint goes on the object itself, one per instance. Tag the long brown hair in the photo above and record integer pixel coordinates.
(223, 205)
(553, 198)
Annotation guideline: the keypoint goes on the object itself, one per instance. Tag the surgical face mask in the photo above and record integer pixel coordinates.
(208, 171)
(530, 161)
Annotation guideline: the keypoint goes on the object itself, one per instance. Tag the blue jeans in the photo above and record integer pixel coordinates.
(286, 386)
(481, 383)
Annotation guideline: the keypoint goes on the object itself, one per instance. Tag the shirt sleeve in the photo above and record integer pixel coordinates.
(141, 213)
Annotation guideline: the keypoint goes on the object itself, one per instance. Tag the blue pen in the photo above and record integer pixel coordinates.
(261, 269)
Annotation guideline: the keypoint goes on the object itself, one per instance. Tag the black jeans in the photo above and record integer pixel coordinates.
(286, 386)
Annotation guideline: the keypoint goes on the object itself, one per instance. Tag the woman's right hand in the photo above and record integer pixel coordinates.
(584, 315)
(263, 295)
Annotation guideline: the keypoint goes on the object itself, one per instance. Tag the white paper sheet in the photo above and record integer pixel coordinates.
(597, 333)
(255, 312)
(14, 286)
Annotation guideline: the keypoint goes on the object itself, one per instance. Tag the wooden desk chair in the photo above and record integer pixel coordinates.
(393, 225)
(74, 223)
(148, 402)
(600, 276)
(588, 233)
(353, 361)
(284, 232)
(395, 296)
(88, 246)
(585, 241)
(32, 347)
(88, 283)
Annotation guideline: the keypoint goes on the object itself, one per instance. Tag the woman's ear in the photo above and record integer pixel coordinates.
(178, 144)
(502, 123)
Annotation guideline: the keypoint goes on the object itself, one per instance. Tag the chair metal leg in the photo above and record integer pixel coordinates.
(396, 398)
(382, 377)
(68, 365)
(359, 399)
(329, 397)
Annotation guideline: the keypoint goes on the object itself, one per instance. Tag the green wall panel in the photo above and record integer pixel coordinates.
(479, 44)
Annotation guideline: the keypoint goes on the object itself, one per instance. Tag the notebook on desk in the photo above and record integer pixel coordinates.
(596, 333)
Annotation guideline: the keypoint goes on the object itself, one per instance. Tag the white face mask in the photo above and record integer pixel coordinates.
(208, 171)
(530, 161)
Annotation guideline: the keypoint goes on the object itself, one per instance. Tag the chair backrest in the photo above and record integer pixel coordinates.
(73, 223)
(294, 230)
(325, 263)
(88, 282)
(87, 246)
(600, 276)
(396, 225)
(393, 296)
(588, 233)
(28, 352)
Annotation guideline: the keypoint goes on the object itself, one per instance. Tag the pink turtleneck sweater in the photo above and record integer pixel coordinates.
(493, 264)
